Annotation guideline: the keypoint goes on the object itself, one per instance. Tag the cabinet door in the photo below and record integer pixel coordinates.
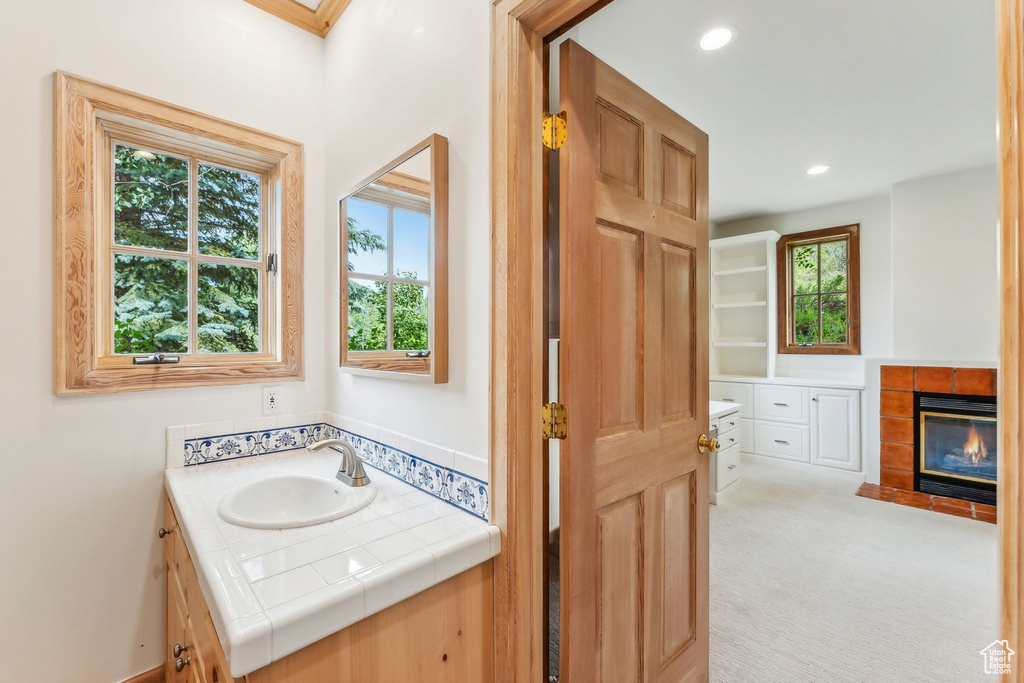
(835, 428)
(176, 635)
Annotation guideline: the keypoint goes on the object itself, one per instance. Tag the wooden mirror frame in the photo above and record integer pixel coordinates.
(395, 364)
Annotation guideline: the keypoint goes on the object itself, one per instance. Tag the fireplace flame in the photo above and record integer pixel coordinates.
(974, 447)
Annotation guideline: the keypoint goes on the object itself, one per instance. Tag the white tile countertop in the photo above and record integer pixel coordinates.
(273, 592)
(720, 408)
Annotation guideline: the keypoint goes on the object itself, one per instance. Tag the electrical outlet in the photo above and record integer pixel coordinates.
(271, 406)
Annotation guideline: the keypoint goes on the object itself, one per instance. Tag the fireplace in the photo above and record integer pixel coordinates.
(956, 446)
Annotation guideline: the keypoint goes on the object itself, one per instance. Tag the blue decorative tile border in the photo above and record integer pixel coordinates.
(461, 490)
(244, 444)
(445, 483)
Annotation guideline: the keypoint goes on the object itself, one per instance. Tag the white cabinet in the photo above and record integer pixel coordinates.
(734, 392)
(727, 469)
(789, 442)
(747, 435)
(781, 404)
(743, 310)
(835, 428)
(724, 466)
(784, 419)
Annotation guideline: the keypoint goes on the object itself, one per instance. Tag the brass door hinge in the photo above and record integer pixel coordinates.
(554, 130)
(556, 421)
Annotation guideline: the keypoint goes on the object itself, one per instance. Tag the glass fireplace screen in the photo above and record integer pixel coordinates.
(959, 446)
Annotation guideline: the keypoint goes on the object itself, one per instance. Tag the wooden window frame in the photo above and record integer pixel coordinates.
(396, 364)
(89, 117)
(785, 296)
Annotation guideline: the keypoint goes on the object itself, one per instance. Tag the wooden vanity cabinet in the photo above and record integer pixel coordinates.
(443, 634)
(188, 618)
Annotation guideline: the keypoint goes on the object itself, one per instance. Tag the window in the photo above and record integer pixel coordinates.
(389, 273)
(185, 281)
(819, 291)
(194, 273)
(393, 228)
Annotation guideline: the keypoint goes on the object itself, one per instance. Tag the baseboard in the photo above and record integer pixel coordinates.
(856, 478)
(155, 675)
(724, 494)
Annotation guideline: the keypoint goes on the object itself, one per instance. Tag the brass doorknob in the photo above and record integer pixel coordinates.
(706, 444)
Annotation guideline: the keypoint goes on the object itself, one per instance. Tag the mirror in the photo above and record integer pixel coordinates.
(394, 268)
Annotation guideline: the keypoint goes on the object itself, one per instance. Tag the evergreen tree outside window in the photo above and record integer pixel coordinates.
(187, 255)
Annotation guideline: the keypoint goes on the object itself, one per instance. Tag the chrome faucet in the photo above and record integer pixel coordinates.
(351, 471)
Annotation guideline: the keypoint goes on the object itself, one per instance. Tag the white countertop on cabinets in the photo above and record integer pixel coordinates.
(273, 592)
(720, 408)
(825, 383)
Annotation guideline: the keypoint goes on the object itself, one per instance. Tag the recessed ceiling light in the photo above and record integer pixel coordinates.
(717, 37)
(817, 170)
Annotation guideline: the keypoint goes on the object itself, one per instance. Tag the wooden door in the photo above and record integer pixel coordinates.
(634, 378)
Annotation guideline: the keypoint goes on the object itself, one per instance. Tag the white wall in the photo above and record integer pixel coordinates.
(397, 72)
(945, 269)
(81, 569)
(873, 214)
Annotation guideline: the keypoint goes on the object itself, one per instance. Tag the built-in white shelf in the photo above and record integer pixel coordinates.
(743, 297)
(743, 304)
(740, 271)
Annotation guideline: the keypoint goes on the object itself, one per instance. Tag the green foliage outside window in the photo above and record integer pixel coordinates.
(151, 207)
(819, 290)
(368, 303)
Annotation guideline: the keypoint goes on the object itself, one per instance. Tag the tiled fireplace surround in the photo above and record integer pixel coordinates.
(898, 384)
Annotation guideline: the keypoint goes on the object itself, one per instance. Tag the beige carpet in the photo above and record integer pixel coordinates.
(811, 583)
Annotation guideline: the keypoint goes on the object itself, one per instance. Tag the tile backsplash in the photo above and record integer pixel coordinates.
(456, 478)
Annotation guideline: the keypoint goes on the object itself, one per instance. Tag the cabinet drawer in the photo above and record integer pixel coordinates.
(735, 392)
(729, 439)
(728, 423)
(713, 426)
(728, 466)
(781, 404)
(782, 441)
(746, 435)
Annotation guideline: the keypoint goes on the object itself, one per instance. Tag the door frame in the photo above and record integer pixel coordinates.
(1010, 37)
(518, 30)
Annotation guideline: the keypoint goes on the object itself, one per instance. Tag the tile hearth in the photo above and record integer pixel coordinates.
(897, 430)
(948, 506)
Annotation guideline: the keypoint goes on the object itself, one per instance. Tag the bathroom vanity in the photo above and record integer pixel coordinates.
(401, 590)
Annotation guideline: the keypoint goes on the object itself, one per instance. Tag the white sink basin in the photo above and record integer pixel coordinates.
(291, 501)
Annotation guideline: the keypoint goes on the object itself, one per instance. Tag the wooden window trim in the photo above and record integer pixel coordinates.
(319, 22)
(86, 113)
(784, 297)
(396, 364)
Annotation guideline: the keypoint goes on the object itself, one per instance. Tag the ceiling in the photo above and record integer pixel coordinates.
(881, 91)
